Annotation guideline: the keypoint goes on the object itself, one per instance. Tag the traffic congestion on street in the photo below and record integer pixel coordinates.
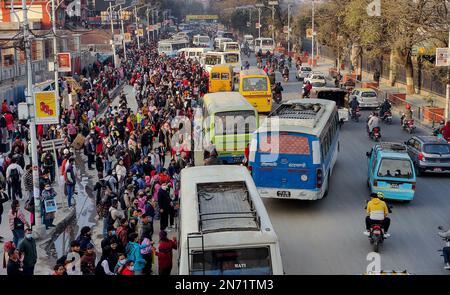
(207, 148)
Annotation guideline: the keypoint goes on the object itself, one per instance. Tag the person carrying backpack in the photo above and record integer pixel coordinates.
(14, 175)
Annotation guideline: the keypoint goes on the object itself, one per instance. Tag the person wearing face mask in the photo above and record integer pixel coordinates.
(88, 261)
(110, 236)
(48, 194)
(133, 250)
(84, 239)
(27, 249)
(164, 203)
(108, 260)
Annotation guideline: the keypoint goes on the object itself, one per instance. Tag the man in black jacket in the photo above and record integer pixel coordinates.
(165, 205)
(3, 199)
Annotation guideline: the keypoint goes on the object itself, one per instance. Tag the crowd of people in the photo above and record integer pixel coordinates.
(128, 148)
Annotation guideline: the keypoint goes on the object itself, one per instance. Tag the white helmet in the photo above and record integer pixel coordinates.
(66, 151)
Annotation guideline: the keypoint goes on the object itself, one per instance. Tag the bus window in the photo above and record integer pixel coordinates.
(267, 42)
(225, 76)
(164, 47)
(284, 144)
(231, 58)
(238, 122)
(215, 76)
(212, 60)
(255, 84)
(254, 261)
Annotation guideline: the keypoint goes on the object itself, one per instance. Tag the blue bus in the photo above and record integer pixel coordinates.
(292, 153)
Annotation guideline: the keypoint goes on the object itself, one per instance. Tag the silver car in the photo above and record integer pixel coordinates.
(366, 97)
(302, 73)
(429, 154)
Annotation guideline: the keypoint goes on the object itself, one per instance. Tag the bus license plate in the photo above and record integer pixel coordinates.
(284, 194)
(394, 185)
(437, 169)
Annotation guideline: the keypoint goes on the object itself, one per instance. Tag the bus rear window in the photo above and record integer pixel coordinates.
(225, 76)
(397, 168)
(249, 261)
(231, 58)
(237, 122)
(215, 76)
(284, 144)
(254, 84)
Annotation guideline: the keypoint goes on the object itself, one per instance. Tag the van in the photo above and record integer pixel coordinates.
(230, 47)
(221, 78)
(192, 53)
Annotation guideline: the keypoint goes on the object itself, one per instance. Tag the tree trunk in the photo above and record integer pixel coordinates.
(409, 74)
(392, 67)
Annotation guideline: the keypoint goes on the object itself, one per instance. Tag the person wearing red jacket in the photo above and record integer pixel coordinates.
(164, 253)
(446, 131)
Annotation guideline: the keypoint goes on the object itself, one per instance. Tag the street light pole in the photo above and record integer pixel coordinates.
(137, 27)
(153, 23)
(289, 28)
(447, 94)
(259, 22)
(30, 101)
(147, 12)
(273, 23)
(123, 33)
(312, 39)
(112, 34)
(55, 53)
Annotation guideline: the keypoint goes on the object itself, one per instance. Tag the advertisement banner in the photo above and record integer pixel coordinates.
(64, 62)
(127, 37)
(45, 105)
(140, 32)
(158, 26)
(442, 57)
(117, 39)
(190, 17)
(308, 33)
(258, 25)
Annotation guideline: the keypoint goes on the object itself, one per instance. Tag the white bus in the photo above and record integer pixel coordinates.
(218, 42)
(202, 41)
(192, 52)
(230, 47)
(171, 47)
(212, 58)
(224, 227)
(264, 44)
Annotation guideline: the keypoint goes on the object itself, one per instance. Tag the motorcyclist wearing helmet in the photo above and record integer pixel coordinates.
(247, 65)
(286, 71)
(385, 107)
(446, 250)
(377, 212)
(354, 104)
(407, 116)
(445, 131)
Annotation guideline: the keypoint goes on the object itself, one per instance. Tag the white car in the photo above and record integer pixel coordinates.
(366, 97)
(302, 73)
(315, 77)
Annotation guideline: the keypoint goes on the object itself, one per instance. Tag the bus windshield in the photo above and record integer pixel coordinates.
(212, 60)
(266, 42)
(234, 122)
(232, 46)
(228, 35)
(164, 47)
(231, 58)
(255, 84)
(247, 261)
(398, 168)
(203, 39)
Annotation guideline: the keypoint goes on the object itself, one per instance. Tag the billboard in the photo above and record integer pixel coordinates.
(140, 32)
(127, 37)
(45, 105)
(190, 17)
(64, 62)
(442, 57)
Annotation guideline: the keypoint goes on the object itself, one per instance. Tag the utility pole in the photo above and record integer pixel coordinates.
(447, 94)
(312, 38)
(289, 28)
(55, 53)
(137, 27)
(153, 23)
(112, 35)
(273, 23)
(122, 33)
(148, 24)
(259, 22)
(30, 101)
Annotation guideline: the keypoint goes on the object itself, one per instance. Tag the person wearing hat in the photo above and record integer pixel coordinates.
(165, 253)
(87, 262)
(377, 212)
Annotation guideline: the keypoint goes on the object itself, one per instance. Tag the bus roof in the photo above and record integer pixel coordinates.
(253, 72)
(222, 67)
(226, 102)
(264, 38)
(206, 195)
(307, 116)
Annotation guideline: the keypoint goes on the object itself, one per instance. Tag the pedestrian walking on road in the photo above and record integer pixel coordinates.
(87, 262)
(165, 253)
(3, 199)
(17, 222)
(70, 181)
(14, 175)
(28, 252)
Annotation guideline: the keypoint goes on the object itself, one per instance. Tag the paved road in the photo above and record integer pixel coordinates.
(325, 237)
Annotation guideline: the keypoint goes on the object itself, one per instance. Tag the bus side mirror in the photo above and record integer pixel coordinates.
(368, 154)
(406, 143)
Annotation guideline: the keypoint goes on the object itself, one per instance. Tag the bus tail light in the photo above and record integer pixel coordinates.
(421, 157)
(414, 186)
(375, 183)
(319, 178)
(250, 169)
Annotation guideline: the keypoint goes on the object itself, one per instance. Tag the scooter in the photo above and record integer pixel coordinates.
(277, 97)
(375, 135)
(355, 114)
(407, 125)
(447, 243)
(387, 117)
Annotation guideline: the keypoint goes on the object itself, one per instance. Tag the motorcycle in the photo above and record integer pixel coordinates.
(355, 114)
(375, 135)
(407, 125)
(446, 240)
(387, 117)
(376, 233)
(277, 97)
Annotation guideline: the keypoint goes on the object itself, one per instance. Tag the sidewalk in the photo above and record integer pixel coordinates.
(426, 115)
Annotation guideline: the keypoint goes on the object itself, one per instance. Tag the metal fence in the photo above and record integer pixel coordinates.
(19, 70)
(428, 81)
